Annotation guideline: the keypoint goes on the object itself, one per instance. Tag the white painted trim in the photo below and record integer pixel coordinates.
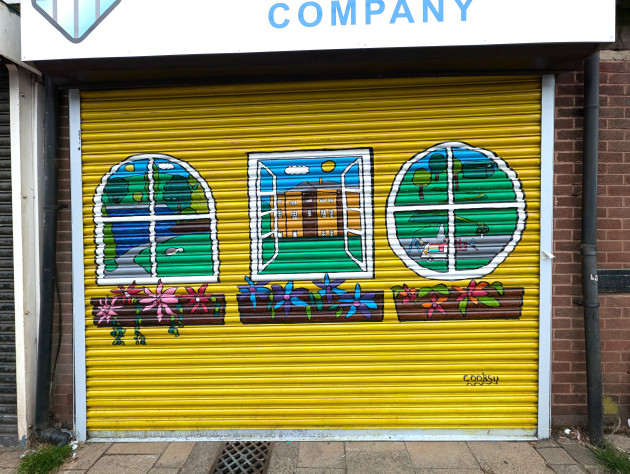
(78, 270)
(546, 248)
(317, 435)
(26, 125)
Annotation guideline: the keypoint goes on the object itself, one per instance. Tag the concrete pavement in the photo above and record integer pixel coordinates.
(561, 455)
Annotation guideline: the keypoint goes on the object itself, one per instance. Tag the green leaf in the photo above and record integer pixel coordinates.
(462, 306)
(319, 305)
(424, 291)
(317, 296)
(491, 302)
(498, 286)
(442, 289)
(339, 311)
(308, 312)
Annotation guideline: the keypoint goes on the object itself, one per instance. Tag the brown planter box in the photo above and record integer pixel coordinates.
(128, 314)
(262, 315)
(511, 303)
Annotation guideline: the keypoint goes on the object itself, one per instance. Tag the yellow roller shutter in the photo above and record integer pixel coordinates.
(317, 255)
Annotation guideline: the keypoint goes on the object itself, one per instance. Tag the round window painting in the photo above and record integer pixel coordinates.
(455, 212)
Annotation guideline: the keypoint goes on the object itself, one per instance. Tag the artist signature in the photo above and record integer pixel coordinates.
(481, 379)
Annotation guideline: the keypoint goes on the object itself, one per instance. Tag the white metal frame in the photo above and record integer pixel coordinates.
(253, 172)
(78, 269)
(544, 364)
(546, 256)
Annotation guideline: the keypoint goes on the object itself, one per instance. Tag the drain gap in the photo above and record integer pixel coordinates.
(243, 458)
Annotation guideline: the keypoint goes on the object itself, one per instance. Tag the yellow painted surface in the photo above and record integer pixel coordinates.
(365, 375)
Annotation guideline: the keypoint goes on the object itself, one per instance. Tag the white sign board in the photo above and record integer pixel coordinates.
(65, 29)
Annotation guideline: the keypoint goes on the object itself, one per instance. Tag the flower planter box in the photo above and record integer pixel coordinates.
(128, 315)
(453, 303)
(263, 314)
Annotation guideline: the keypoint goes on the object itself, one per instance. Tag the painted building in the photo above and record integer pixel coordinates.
(333, 231)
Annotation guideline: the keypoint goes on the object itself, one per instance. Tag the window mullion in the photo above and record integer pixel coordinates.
(152, 238)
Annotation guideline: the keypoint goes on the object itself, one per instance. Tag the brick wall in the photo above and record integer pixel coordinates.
(568, 366)
(61, 403)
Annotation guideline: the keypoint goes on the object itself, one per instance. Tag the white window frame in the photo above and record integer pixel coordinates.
(100, 220)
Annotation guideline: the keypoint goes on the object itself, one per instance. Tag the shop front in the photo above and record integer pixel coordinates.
(324, 255)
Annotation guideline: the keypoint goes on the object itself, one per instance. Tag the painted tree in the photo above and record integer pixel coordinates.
(421, 178)
(457, 169)
(437, 165)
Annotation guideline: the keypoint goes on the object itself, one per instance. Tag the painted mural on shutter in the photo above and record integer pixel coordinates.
(324, 255)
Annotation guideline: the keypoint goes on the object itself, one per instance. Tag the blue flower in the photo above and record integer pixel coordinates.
(287, 296)
(251, 290)
(329, 287)
(359, 303)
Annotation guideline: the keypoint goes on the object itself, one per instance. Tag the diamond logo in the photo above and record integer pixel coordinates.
(75, 19)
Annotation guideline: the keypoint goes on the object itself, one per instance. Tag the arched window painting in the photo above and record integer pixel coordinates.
(455, 212)
(155, 220)
(311, 214)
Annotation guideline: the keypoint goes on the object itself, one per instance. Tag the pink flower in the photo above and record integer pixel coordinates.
(107, 309)
(199, 299)
(128, 294)
(161, 300)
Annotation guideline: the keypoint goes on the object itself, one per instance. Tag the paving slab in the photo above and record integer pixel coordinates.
(322, 454)
(619, 441)
(203, 457)
(86, 455)
(314, 470)
(11, 459)
(375, 446)
(137, 448)
(596, 470)
(441, 455)
(580, 453)
(164, 470)
(556, 456)
(364, 462)
(544, 443)
(448, 471)
(283, 457)
(175, 455)
(505, 457)
(124, 464)
(568, 469)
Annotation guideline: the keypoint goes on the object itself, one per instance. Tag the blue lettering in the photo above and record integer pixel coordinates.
(317, 20)
(351, 11)
(272, 12)
(406, 13)
(437, 13)
(369, 11)
(463, 7)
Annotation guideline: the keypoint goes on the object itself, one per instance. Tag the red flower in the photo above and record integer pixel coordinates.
(473, 291)
(408, 294)
(435, 304)
(198, 299)
(161, 300)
